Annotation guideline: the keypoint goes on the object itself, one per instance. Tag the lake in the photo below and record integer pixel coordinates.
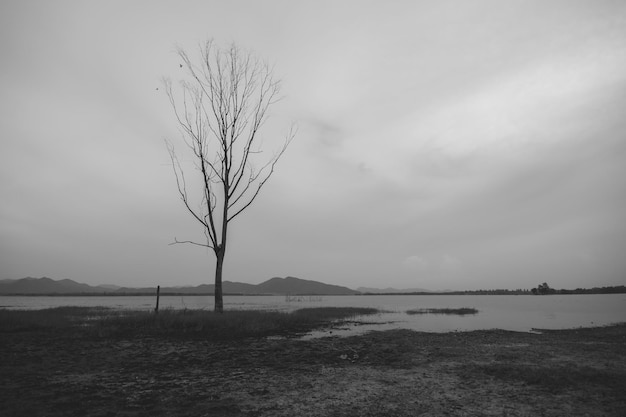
(508, 312)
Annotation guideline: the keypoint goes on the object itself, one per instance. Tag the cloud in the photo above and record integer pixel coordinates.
(326, 133)
(415, 262)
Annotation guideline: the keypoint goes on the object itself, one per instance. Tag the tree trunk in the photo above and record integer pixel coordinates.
(219, 263)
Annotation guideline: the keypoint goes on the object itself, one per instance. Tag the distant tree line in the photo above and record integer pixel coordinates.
(542, 289)
(497, 291)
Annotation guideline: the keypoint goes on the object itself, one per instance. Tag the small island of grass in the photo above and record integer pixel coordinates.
(453, 311)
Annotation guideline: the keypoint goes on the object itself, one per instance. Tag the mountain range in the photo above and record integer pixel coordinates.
(273, 286)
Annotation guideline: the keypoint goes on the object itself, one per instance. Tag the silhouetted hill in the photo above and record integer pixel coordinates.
(297, 286)
(46, 285)
(236, 288)
(277, 286)
(228, 287)
(109, 287)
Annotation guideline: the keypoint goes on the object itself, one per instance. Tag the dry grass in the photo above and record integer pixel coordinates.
(454, 311)
(204, 324)
(50, 319)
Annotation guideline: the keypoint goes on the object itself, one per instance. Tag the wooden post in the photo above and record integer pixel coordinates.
(156, 309)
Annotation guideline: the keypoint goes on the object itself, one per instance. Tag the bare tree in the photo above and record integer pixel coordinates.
(220, 107)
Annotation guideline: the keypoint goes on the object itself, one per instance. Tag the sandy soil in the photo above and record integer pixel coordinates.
(394, 373)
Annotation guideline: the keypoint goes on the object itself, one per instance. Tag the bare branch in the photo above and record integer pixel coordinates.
(176, 241)
(290, 136)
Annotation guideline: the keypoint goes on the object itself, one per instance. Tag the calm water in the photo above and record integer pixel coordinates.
(509, 312)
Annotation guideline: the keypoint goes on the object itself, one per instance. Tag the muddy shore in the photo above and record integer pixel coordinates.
(578, 372)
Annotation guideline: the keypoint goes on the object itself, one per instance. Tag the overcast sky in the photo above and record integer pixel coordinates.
(441, 144)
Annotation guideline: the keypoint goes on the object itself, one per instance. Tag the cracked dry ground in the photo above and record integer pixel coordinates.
(394, 373)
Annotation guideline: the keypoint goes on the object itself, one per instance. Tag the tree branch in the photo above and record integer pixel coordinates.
(176, 242)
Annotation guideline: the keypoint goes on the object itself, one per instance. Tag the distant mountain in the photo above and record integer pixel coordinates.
(390, 290)
(297, 286)
(46, 285)
(227, 288)
(236, 288)
(110, 287)
(274, 286)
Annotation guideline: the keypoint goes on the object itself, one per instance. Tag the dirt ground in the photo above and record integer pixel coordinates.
(393, 373)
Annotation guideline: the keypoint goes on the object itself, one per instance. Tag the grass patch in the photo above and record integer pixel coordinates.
(333, 313)
(47, 319)
(455, 311)
(230, 325)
